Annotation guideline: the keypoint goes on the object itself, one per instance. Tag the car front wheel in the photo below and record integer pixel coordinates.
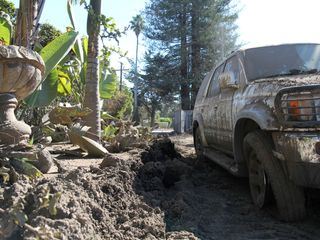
(265, 171)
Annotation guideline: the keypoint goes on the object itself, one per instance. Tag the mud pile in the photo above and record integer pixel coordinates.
(104, 202)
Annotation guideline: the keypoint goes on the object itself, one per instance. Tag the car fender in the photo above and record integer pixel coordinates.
(198, 118)
(261, 113)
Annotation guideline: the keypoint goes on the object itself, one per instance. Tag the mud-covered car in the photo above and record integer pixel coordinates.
(257, 114)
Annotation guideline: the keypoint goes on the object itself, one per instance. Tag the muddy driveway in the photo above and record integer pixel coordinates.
(210, 203)
(157, 193)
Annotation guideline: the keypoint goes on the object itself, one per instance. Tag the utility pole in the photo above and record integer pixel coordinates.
(121, 74)
(121, 65)
(135, 87)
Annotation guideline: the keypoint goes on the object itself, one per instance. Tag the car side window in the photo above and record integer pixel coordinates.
(214, 87)
(233, 68)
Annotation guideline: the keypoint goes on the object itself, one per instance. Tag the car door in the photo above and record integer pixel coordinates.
(210, 105)
(223, 122)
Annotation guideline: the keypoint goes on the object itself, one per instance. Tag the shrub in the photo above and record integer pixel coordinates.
(120, 105)
(165, 119)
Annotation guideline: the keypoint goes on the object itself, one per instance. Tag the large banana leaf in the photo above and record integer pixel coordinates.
(83, 71)
(52, 55)
(69, 8)
(47, 93)
(5, 29)
(85, 47)
(56, 50)
(77, 48)
(108, 86)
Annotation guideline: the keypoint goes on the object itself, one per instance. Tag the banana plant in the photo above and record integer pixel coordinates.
(108, 80)
(65, 75)
(55, 80)
(66, 72)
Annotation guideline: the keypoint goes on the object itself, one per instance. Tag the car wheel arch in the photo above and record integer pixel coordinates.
(198, 123)
(242, 127)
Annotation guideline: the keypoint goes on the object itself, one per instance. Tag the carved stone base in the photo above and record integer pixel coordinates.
(12, 131)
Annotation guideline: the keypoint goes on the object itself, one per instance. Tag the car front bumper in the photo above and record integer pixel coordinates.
(299, 155)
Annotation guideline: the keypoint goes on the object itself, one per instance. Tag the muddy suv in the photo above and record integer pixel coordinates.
(257, 114)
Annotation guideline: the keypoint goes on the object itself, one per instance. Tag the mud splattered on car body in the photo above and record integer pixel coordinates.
(267, 96)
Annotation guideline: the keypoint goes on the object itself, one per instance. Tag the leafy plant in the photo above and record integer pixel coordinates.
(120, 105)
(8, 8)
(108, 86)
(5, 29)
(65, 115)
(49, 200)
(47, 34)
(52, 55)
(165, 119)
(109, 132)
(25, 166)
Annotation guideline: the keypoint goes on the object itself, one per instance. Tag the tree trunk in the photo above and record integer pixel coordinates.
(92, 94)
(195, 49)
(28, 16)
(153, 115)
(184, 88)
(136, 118)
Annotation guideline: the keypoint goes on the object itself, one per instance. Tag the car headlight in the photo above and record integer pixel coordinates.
(301, 108)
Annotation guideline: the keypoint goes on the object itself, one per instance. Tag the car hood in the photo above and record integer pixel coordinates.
(295, 80)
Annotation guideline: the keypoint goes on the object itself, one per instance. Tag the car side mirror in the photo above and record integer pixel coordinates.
(227, 80)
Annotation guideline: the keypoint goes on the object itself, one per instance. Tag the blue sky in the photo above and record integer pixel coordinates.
(55, 13)
(261, 22)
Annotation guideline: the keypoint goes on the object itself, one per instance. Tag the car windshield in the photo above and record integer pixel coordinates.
(274, 61)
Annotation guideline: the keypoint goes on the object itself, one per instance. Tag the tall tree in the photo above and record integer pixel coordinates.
(137, 25)
(47, 33)
(154, 89)
(8, 7)
(189, 32)
(92, 95)
(91, 65)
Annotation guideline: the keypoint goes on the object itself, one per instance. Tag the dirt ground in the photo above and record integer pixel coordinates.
(161, 192)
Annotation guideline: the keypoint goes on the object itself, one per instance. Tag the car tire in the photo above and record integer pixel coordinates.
(290, 198)
(198, 145)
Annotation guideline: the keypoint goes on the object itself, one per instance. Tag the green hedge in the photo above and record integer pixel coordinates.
(165, 119)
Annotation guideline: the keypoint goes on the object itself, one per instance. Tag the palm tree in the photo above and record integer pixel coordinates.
(137, 25)
(92, 95)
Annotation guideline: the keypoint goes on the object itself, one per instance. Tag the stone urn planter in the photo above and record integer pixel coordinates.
(21, 70)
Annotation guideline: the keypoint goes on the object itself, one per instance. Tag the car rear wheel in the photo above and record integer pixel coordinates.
(265, 171)
(198, 143)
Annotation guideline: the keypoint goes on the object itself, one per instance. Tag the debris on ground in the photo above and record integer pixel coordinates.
(152, 193)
